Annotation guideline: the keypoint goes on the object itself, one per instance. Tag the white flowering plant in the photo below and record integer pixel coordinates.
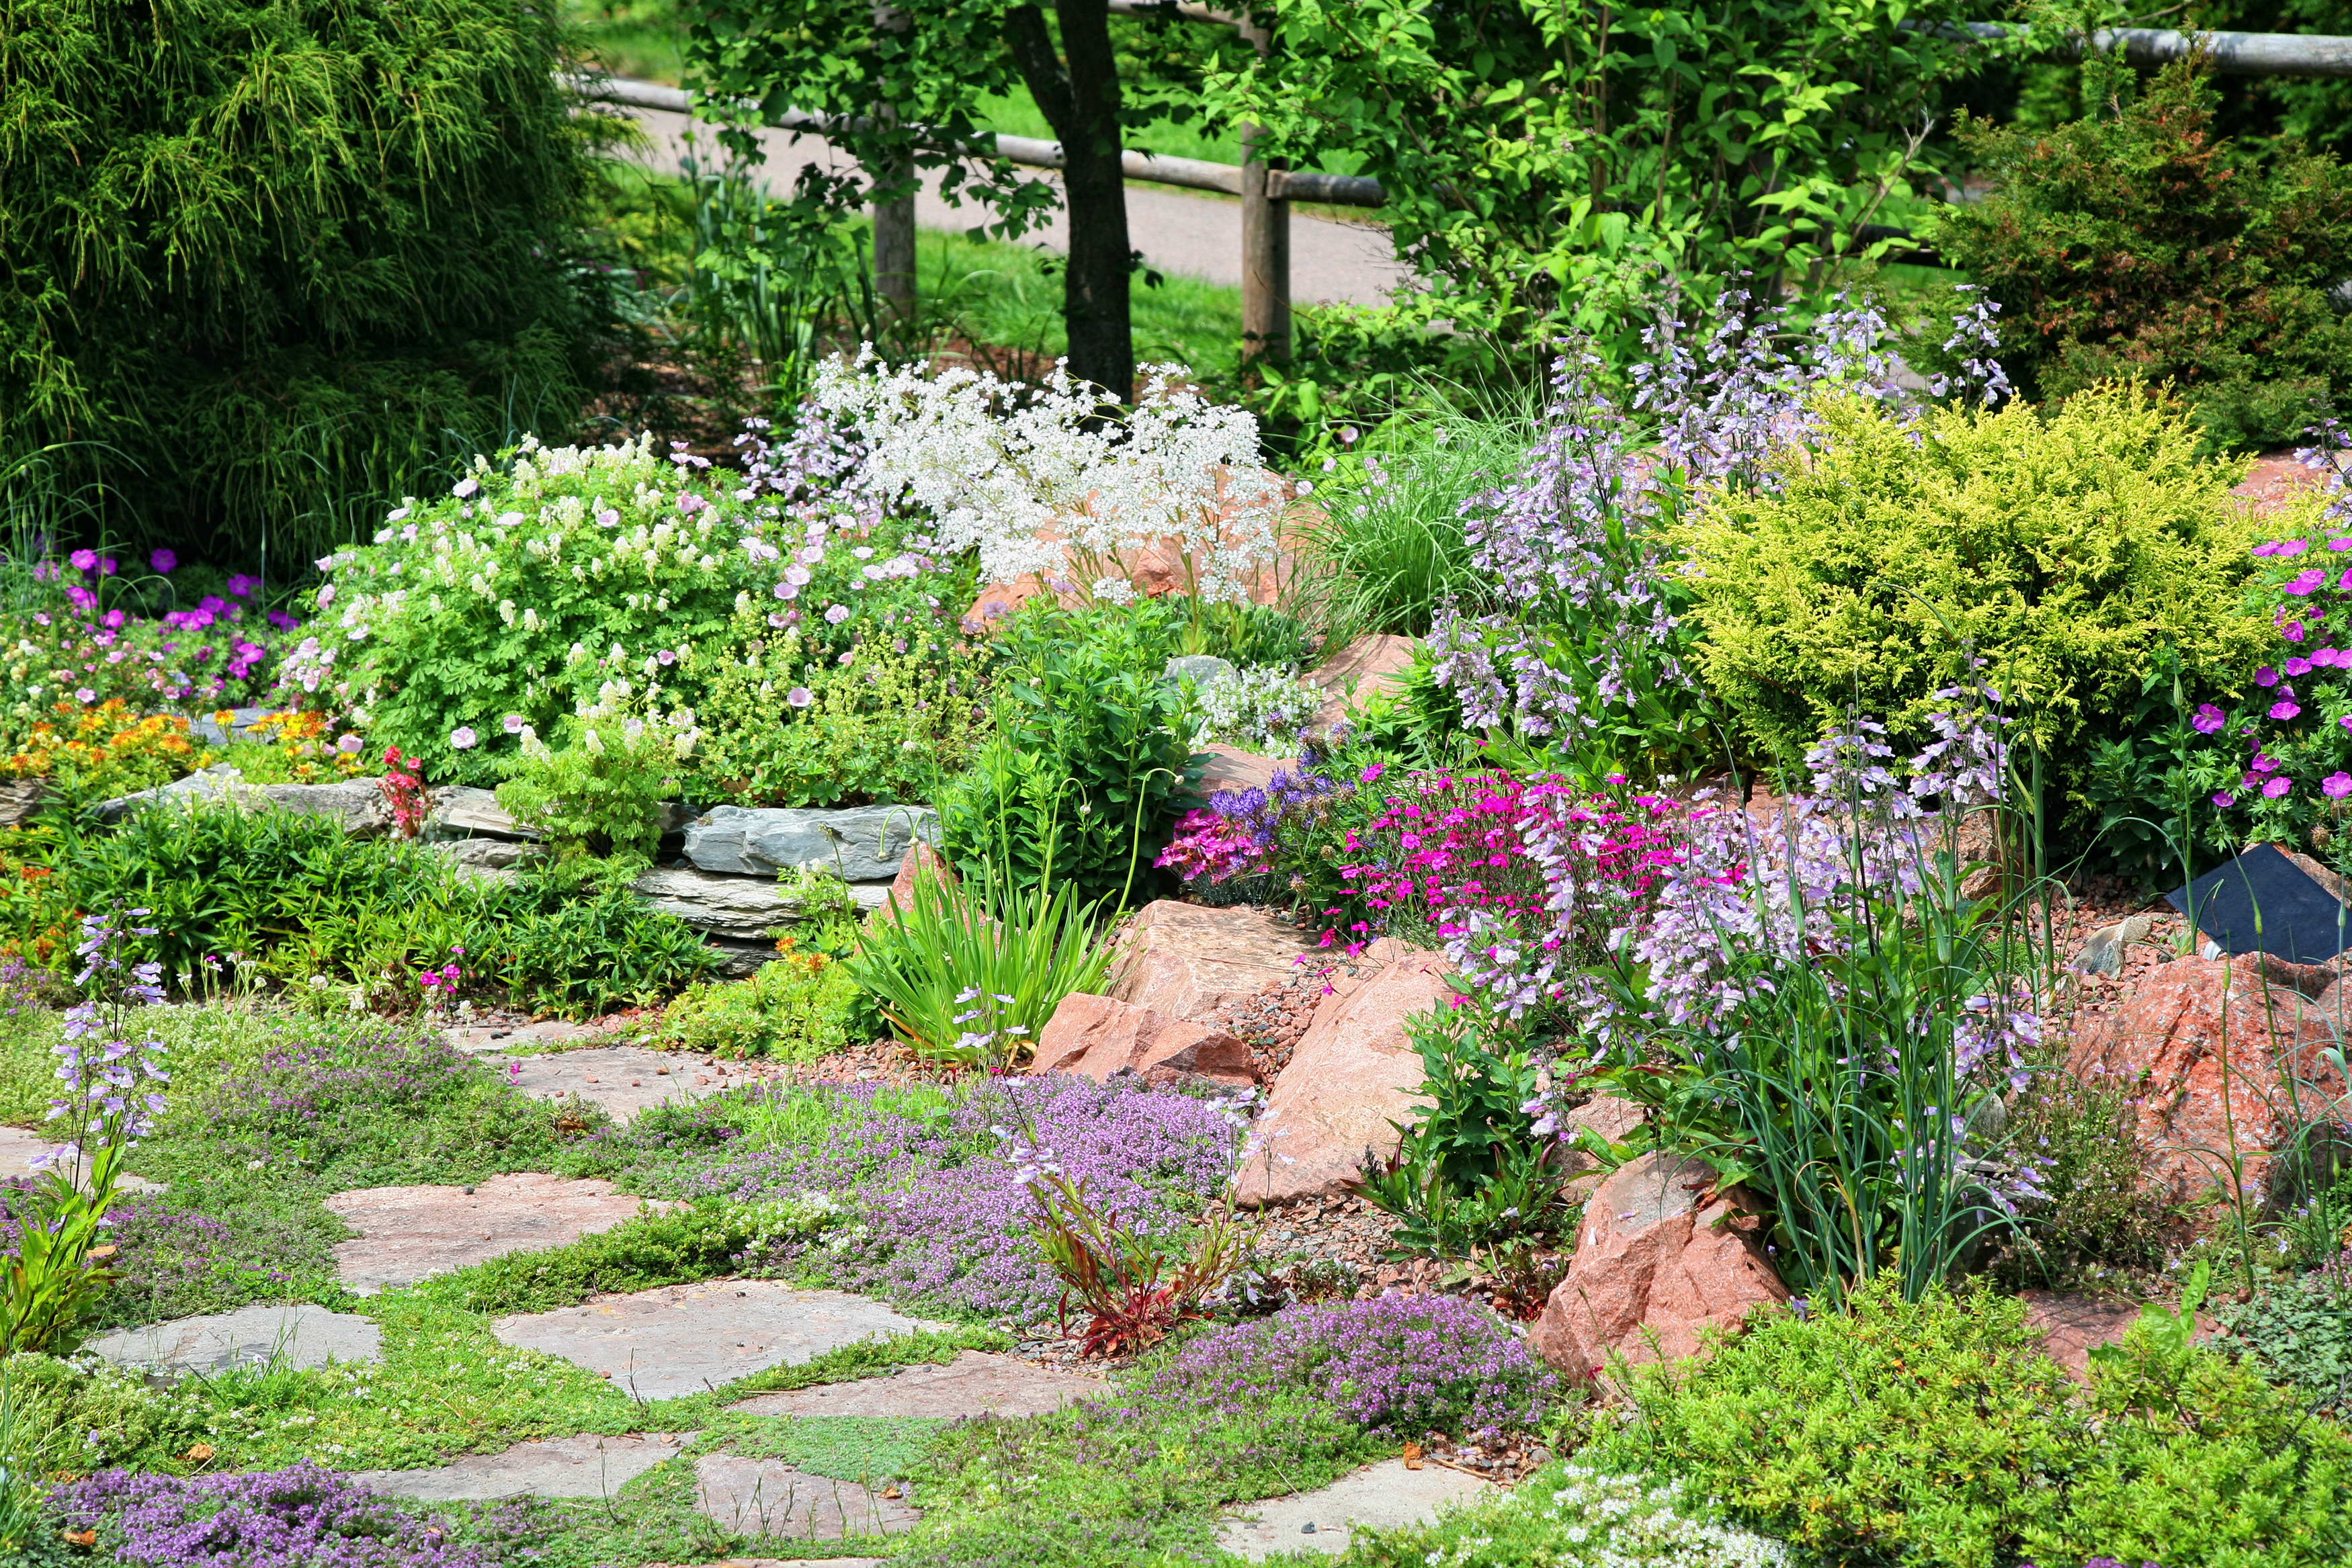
(1263, 708)
(600, 797)
(1577, 1517)
(575, 576)
(1056, 482)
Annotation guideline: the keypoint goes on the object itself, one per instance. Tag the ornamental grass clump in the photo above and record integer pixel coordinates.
(1397, 1366)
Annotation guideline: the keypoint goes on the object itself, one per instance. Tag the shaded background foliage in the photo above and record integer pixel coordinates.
(263, 262)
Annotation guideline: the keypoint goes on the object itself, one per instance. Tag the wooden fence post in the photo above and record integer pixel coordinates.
(894, 221)
(1265, 242)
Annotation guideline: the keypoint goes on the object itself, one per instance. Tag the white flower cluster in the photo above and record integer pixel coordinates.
(1260, 708)
(1595, 1519)
(1053, 479)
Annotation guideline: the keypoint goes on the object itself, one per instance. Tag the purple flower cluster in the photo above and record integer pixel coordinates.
(1398, 1366)
(306, 1517)
(390, 1067)
(938, 1211)
(183, 655)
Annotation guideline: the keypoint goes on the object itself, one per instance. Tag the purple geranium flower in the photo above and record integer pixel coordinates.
(2285, 709)
(161, 561)
(2277, 786)
(2209, 720)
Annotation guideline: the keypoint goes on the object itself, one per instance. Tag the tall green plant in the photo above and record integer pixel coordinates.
(269, 262)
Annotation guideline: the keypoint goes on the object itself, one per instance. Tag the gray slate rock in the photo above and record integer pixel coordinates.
(356, 804)
(1203, 670)
(1385, 1496)
(863, 843)
(486, 855)
(587, 1466)
(462, 811)
(743, 908)
(20, 799)
(299, 1336)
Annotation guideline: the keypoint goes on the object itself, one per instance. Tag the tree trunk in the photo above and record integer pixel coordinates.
(1081, 102)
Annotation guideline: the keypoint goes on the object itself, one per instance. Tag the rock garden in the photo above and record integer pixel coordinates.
(1722, 954)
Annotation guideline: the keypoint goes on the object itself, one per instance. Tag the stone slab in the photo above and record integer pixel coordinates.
(491, 1038)
(1186, 960)
(298, 1337)
(740, 908)
(1386, 1496)
(21, 799)
(769, 1498)
(684, 1339)
(462, 811)
(587, 1466)
(862, 843)
(623, 1079)
(409, 1233)
(20, 1145)
(974, 1384)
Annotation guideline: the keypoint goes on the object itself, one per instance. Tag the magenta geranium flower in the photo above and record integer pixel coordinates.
(2292, 547)
(2277, 786)
(2209, 720)
(2224, 800)
(2298, 665)
(2305, 582)
(2336, 785)
(83, 560)
(161, 561)
(2292, 630)
(2285, 709)
(2266, 676)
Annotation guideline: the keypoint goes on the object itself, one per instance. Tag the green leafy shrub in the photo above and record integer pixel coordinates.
(2063, 550)
(588, 576)
(601, 796)
(1088, 761)
(2082, 1136)
(1936, 1432)
(585, 956)
(2299, 1332)
(364, 245)
(2143, 243)
(798, 1008)
(793, 725)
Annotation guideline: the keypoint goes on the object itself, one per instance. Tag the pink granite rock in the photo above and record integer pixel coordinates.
(1186, 961)
(1098, 1037)
(1352, 1079)
(920, 860)
(1662, 1256)
(1353, 674)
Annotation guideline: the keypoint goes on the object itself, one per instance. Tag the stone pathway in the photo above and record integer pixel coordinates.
(624, 1078)
(19, 1146)
(301, 1336)
(769, 1497)
(1383, 1496)
(974, 1384)
(408, 1233)
(563, 1467)
(684, 1339)
(498, 1039)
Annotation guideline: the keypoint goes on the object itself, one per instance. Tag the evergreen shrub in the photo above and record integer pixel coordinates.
(2062, 548)
(2142, 242)
(262, 262)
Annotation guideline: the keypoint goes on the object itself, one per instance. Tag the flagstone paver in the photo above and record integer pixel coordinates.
(767, 1497)
(19, 1146)
(298, 1337)
(1383, 1496)
(623, 1079)
(974, 1384)
(408, 1233)
(586, 1466)
(683, 1339)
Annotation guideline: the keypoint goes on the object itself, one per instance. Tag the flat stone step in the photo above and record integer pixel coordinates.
(298, 1337)
(19, 1146)
(685, 1339)
(587, 1466)
(974, 1384)
(623, 1079)
(1386, 1496)
(410, 1233)
(769, 1498)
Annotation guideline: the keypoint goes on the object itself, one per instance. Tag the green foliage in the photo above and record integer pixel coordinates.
(1572, 1516)
(1471, 1174)
(602, 795)
(582, 956)
(1087, 767)
(2299, 1333)
(983, 952)
(270, 261)
(1547, 166)
(2062, 550)
(796, 727)
(796, 1008)
(1085, 1488)
(2081, 1135)
(1935, 1432)
(586, 576)
(1391, 524)
(668, 1247)
(2141, 242)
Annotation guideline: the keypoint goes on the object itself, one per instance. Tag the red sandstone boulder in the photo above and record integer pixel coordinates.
(1187, 961)
(1354, 674)
(1352, 1079)
(1662, 1256)
(920, 860)
(2195, 1028)
(1098, 1037)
